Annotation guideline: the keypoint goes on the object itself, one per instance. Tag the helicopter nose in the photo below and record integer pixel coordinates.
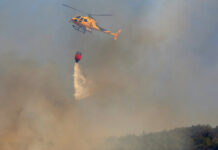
(74, 19)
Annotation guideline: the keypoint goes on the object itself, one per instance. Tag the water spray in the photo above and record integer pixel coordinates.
(81, 88)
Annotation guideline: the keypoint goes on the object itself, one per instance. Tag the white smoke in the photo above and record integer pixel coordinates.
(81, 85)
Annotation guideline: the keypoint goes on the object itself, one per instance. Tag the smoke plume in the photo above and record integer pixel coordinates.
(159, 74)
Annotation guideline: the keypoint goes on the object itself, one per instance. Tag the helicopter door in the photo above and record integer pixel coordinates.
(81, 20)
(91, 25)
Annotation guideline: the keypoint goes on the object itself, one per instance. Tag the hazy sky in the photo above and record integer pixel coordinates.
(161, 73)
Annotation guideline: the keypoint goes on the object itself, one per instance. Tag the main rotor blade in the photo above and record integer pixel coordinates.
(91, 15)
(65, 5)
(100, 14)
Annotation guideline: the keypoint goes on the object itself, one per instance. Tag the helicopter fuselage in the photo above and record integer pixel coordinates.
(86, 22)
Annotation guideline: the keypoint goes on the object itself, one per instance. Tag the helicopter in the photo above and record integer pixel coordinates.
(88, 23)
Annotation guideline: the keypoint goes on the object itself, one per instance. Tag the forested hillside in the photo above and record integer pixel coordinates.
(201, 137)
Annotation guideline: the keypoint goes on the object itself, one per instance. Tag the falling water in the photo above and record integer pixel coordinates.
(81, 87)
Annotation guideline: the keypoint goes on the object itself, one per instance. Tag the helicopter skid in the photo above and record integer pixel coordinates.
(80, 29)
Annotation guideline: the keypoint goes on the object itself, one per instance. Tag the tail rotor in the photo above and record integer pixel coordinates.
(117, 34)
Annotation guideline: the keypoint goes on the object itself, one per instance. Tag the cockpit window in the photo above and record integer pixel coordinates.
(75, 20)
(78, 17)
(85, 20)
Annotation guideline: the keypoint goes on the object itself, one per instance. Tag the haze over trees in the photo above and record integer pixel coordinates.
(200, 137)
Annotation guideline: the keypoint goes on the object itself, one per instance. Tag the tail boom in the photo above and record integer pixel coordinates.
(99, 28)
(113, 34)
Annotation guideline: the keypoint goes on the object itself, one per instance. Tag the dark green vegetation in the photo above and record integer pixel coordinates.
(190, 138)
